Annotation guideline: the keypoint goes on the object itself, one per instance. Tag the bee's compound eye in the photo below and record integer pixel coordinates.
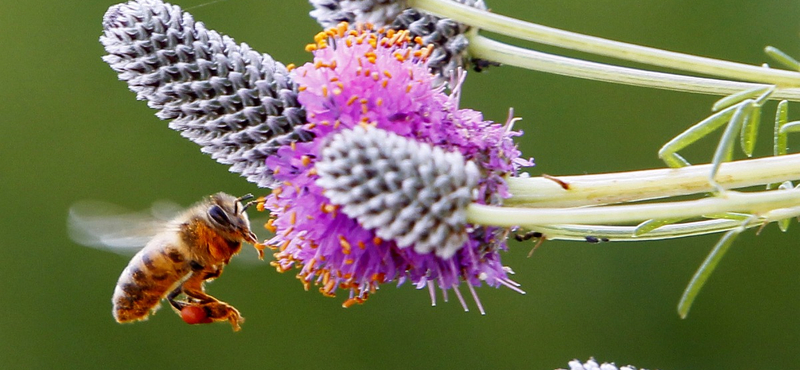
(218, 215)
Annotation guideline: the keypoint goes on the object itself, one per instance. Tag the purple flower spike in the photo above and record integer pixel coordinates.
(446, 35)
(237, 104)
(409, 192)
(381, 80)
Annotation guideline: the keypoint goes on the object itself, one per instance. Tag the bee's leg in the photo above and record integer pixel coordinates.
(219, 311)
(193, 287)
(213, 274)
(177, 305)
(215, 309)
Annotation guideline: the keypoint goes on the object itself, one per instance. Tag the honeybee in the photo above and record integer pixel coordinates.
(187, 251)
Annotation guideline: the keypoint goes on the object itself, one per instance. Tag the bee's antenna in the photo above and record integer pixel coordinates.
(248, 204)
(244, 197)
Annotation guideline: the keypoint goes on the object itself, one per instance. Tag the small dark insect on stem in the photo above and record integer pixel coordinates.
(527, 236)
(540, 238)
(595, 240)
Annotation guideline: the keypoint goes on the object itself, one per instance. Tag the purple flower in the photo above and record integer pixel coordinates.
(380, 80)
(237, 104)
(447, 36)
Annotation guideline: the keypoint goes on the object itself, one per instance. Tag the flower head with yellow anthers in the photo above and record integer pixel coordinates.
(380, 193)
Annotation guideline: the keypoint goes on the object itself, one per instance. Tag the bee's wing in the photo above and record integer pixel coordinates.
(108, 226)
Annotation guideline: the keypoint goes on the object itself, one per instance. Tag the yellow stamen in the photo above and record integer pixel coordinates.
(270, 225)
(260, 249)
(342, 28)
(371, 56)
(328, 208)
(345, 244)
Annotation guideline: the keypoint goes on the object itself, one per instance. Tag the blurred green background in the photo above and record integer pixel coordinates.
(71, 131)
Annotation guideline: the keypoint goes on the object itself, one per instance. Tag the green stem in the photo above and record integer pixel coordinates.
(485, 48)
(628, 233)
(752, 203)
(669, 231)
(598, 189)
(569, 40)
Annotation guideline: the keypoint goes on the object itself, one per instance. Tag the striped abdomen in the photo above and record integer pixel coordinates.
(149, 277)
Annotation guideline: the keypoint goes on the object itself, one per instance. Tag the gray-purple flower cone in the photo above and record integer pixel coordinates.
(446, 35)
(330, 13)
(238, 104)
(410, 192)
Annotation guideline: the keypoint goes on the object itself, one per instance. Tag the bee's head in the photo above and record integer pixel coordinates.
(227, 214)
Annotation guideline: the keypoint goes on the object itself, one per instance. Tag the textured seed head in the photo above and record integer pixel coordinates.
(238, 104)
(592, 364)
(330, 13)
(413, 193)
(446, 35)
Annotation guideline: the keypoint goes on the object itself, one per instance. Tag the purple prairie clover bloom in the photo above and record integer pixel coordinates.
(592, 364)
(379, 79)
(412, 193)
(239, 105)
(329, 13)
(446, 35)
(272, 124)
